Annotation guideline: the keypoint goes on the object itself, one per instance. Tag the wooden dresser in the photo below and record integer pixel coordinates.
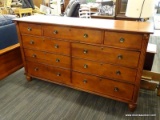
(103, 57)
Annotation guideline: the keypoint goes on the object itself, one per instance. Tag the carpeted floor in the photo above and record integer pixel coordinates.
(40, 100)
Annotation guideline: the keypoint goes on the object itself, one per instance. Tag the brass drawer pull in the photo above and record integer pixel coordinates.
(85, 81)
(29, 29)
(121, 40)
(34, 56)
(55, 32)
(36, 69)
(58, 74)
(57, 60)
(56, 46)
(85, 35)
(116, 89)
(85, 66)
(120, 57)
(118, 72)
(31, 42)
(85, 51)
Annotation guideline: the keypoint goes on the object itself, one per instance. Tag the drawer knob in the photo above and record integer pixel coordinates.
(84, 81)
(116, 89)
(34, 56)
(85, 66)
(57, 60)
(29, 29)
(55, 32)
(31, 42)
(56, 46)
(58, 74)
(85, 35)
(36, 69)
(120, 57)
(118, 72)
(85, 51)
(121, 40)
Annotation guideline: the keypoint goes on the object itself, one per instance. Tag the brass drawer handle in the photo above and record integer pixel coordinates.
(56, 46)
(58, 74)
(120, 57)
(85, 51)
(29, 29)
(85, 66)
(85, 81)
(55, 32)
(121, 40)
(116, 89)
(34, 56)
(57, 60)
(36, 69)
(31, 42)
(118, 72)
(85, 35)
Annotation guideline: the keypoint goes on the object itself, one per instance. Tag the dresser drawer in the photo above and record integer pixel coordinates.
(76, 34)
(45, 44)
(105, 54)
(32, 29)
(48, 58)
(125, 40)
(103, 86)
(48, 72)
(105, 70)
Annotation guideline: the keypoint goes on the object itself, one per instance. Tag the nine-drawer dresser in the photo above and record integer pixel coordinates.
(103, 57)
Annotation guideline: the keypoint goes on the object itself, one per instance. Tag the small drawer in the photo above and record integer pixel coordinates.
(48, 72)
(76, 34)
(105, 70)
(87, 35)
(45, 44)
(32, 29)
(126, 58)
(32, 42)
(124, 40)
(103, 86)
(48, 58)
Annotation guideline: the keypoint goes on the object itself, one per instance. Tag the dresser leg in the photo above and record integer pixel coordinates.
(132, 107)
(29, 78)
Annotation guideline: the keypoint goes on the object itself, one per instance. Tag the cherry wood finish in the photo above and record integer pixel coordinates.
(10, 60)
(103, 59)
(106, 55)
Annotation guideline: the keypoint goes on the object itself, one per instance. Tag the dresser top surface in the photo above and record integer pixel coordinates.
(118, 25)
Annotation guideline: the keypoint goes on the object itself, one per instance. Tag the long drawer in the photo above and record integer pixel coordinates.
(46, 44)
(76, 34)
(106, 70)
(106, 54)
(103, 86)
(48, 72)
(123, 40)
(48, 58)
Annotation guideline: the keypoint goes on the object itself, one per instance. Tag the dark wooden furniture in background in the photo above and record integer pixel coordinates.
(120, 10)
(96, 56)
(121, 6)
